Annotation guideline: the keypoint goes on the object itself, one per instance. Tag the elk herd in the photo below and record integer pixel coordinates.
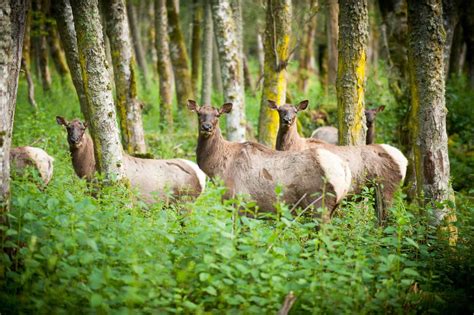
(312, 172)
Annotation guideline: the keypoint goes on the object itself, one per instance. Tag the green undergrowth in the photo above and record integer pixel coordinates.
(70, 248)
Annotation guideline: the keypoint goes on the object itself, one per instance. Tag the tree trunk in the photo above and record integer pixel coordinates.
(43, 46)
(216, 67)
(57, 54)
(457, 52)
(230, 55)
(306, 55)
(196, 44)
(26, 61)
(98, 89)
(261, 55)
(164, 63)
(137, 42)
(469, 37)
(67, 31)
(247, 76)
(428, 112)
(128, 106)
(12, 29)
(276, 45)
(353, 39)
(179, 57)
(332, 21)
(450, 21)
(207, 43)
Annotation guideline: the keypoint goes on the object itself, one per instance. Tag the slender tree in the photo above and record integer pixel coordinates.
(179, 57)
(128, 106)
(216, 68)
(67, 31)
(207, 43)
(276, 45)
(43, 53)
(456, 60)
(98, 89)
(332, 35)
(57, 54)
(306, 55)
(451, 18)
(468, 27)
(26, 61)
(230, 56)
(353, 39)
(164, 63)
(196, 44)
(137, 40)
(428, 110)
(12, 29)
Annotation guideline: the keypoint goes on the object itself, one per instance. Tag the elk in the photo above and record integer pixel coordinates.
(330, 133)
(152, 178)
(22, 157)
(381, 163)
(254, 171)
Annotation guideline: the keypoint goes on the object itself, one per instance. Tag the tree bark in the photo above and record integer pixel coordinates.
(12, 29)
(26, 61)
(332, 21)
(43, 46)
(207, 45)
(306, 55)
(428, 111)
(67, 31)
(216, 67)
(450, 21)
(57, 53)
(128, 106)
(179, 57)
(247, 75)
(196, 44)
(353, 39)
(260, 54)
(456, 60)
(469, 38)
(98, 89)
(230, 55)
(164, 63)
(137, 42)
(276, 45)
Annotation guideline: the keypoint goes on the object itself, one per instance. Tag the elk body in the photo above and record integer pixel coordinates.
(329, 134)
(22, 157)
(254, 170)
(152, 178)
(381, 163)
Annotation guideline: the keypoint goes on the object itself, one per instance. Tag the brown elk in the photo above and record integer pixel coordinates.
(253, 170)
(152, 178)
(330, 133)
(22, 157)
(381, 163)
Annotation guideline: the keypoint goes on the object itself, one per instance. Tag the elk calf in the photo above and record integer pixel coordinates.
(330, 134)
(254, 170)
(22, 157)
(152, 178)
(381, 163)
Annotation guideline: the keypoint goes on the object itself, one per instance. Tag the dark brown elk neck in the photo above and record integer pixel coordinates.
(287, 137)
(212, 152)
(370, 138)
(83, 159)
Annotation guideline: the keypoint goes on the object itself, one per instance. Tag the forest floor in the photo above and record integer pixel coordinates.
(104, 252)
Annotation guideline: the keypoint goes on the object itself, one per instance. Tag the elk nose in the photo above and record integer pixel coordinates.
(287, 120)
(206, 126)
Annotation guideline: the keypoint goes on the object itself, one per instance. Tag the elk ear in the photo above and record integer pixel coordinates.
(381, 108)
(303, 105)
(226, 108)
(61, 121)
(193, 106)
(272, 105)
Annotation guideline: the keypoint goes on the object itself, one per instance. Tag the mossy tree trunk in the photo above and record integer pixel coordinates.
(332, 25)
(128, 106)
(12, 29)
(451, 17)
(230, 56)
(137, 40)
(306, 54)
(353, 40)
(276, 44)
(207, 45)
(216, 68)
(67, 31)
(456, 60)
(164, 63)
(98, 89)
(196, 44)
(179, 57)
(428, 110)
(43, 53)
(26, 61)
(57, 54)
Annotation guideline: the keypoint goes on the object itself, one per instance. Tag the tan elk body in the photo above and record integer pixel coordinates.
(381, 163)
(153, 178)
(253, 170)
(22, 157)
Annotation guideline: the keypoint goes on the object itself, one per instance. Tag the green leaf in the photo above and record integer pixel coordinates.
(211, 290)
(410, 272)
(96, 300)
(412, 242)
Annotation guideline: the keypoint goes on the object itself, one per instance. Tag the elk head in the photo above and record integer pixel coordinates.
(208, 116)
(371, 114)
(75, 130)
(287, 112)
